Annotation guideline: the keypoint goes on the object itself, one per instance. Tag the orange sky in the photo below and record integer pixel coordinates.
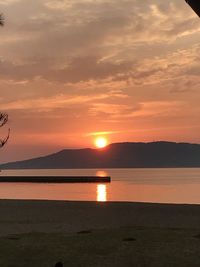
(71, 69)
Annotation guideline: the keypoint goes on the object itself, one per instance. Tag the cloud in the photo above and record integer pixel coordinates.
(8, 2)
(71, 29)
(90, 68)
(103, 133)
(57, 101)
(78, 69)
(113, 110)
(159, 108)
(58, 39)
(140, 110)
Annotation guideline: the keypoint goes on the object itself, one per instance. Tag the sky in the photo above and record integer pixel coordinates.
(71, 70)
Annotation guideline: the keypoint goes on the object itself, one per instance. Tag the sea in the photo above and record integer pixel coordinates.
(181, 185)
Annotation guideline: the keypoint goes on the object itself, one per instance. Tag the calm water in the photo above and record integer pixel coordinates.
(142, 185)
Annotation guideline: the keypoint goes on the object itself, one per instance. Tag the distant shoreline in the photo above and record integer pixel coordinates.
(101, 168)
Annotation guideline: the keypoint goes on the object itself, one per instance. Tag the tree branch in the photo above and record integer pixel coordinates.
(3, 119)
(1, 20)
(5, 140)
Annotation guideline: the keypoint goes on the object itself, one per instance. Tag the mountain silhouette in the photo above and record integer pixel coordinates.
(118, 155)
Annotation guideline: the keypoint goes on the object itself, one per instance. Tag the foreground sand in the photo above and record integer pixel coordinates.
(39, 233)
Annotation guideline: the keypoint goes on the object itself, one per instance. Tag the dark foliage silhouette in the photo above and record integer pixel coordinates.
(195, 5)
(3, 116)
(1, 20)
(3, 121)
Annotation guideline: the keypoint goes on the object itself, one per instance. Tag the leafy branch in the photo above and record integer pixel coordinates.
(2, 20)
(3, 121)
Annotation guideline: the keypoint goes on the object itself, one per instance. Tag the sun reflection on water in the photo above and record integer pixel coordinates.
(101, 193)
(101, 173)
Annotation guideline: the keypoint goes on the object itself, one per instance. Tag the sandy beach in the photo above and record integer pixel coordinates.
(98, 234)
(20, 216)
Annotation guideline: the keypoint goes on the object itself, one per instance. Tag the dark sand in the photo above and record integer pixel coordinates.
(38, 233)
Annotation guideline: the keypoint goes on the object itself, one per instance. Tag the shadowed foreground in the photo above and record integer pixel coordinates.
(41, 233)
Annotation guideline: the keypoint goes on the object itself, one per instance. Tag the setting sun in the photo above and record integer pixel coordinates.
(101, 142)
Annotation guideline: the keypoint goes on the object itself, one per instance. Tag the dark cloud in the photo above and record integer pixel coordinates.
(78, 69)
(90, 68)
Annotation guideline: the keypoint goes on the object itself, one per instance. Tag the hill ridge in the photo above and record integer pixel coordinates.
(158, 154)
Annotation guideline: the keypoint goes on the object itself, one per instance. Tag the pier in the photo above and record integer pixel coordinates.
(55, 179)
